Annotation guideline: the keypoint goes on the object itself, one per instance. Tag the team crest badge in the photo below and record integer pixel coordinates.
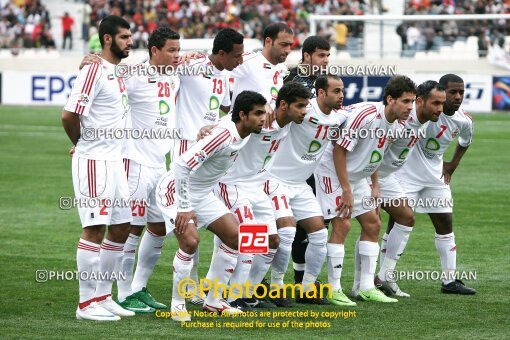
(455, 133)
(200, 156)
(84, 100)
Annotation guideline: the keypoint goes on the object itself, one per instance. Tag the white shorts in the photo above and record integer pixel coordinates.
(428, 199)
(180, 147)
(329, 193)
(207, 210)
(292, 200)
(142, 181)
(248, 204)
(390, 187)
(96, 182)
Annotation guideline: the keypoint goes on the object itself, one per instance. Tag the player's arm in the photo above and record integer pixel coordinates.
(344, 209)
(376, 193)
(465, 139)
(71, 124)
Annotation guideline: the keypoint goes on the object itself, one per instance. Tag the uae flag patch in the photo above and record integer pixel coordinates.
(267, 66)
(313, 120)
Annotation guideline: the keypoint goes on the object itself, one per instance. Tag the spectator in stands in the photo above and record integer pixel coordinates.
(341, 32)
(413, 37)
(483, 45)
(67, 30)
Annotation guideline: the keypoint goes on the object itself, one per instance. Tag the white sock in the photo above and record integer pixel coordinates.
(216, 242)
(314, 257)
(87, 260)
(222, 267)
(194, 270)
(127, 264)
(109, 261)
(240, 275)
(259, 267)
(357, 267)
(148, 254)
(282, 257)
(445, 245)
(181, 267)
(384, 242)
(336, 253)
(397, 241)
(368, 252)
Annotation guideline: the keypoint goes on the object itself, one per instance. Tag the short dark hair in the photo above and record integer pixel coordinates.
(110, 25)
(423, 90)
(322, 82)
(450, 78)
(245, 101)
(397, 86)
(225, 40)
(159, 37)
(291, 91)
(312, 43)
(272, 30)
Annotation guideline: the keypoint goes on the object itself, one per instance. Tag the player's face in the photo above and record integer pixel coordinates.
(433, 106)
(121, 44)
(254, 121)
(403, 105)
(320, 57)
(454, 96)
(335, 95)
(297, 110)
(234, 58)
(168, 55)
(280, 47)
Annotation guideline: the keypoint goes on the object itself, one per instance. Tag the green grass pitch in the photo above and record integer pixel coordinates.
(35, 170)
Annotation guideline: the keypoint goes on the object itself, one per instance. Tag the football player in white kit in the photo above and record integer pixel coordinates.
(426, 177)
(243, 188)
(430, 98)
(356, 156)
(99, 99)
(293, 199)
(186, 199)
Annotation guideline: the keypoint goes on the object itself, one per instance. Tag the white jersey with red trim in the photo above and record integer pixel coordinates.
(398, 150)
(204, 89)
(254, 160)
(299, 154)
(101, 100)
(257, 74)
(200, 168)
(425, 164)
(152, 102)
(362, 130)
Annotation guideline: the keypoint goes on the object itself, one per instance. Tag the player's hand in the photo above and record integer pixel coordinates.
(270, 116)
(71, 151)
(344, 209)
(188, 56)
(91, 58)
(375, 195)
(448, 169)
(182, 220)
(205, 131)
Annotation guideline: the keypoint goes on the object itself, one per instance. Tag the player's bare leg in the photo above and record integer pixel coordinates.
(394, 246)
(148, 255)
(447, 249)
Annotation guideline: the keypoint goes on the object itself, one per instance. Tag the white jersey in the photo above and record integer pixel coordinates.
(205, 163)
(202, 93)
(257, 74)
(299, 154)
(365, 154)
(101, 101)
(152, 102)
(425, 164)
(254, 160)
(398, 150)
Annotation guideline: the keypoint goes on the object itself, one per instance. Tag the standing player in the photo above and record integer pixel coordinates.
(197, 104)
(356, 156)
(99, 100)
(242, 188)
(432, 181)
(197, 172)
(152, 102)
(314, 57)
(430, 98)
(293, 199)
